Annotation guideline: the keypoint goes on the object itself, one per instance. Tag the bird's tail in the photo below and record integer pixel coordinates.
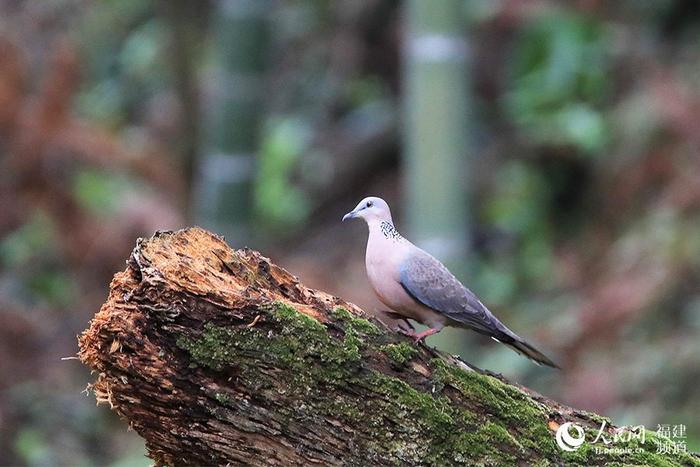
(519, 345)
(532, 353)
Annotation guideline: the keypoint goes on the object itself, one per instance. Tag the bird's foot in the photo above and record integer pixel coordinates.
(405, 327)
(397, 322)
(417, 337)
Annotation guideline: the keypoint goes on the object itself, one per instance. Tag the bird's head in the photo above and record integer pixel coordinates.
(370, 209)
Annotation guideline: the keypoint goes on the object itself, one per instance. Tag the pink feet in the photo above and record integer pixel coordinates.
(417, 337)
(422, 335)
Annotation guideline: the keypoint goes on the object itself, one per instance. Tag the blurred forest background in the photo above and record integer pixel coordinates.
(550, 150)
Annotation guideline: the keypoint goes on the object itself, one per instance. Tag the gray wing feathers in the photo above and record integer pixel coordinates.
(428, 281)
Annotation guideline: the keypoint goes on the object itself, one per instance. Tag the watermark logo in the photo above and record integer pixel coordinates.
(610, 440)
(566, 441)
(672, 439)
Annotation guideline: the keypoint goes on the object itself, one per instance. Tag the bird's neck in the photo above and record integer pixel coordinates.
(384, 229)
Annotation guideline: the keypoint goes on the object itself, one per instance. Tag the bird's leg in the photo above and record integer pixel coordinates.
(422, 335)
(405, 327)
(401, 324)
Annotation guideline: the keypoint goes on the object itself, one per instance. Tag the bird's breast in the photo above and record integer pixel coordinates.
(383, 261)
(383, 264)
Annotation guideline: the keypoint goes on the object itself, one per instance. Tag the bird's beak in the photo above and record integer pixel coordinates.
(349, 215)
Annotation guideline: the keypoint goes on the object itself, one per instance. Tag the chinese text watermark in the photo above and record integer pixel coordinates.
(670, 439)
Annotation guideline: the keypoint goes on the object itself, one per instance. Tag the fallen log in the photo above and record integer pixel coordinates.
(219, 357)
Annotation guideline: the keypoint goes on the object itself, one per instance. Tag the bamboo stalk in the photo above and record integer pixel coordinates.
(223, 197)
(436, 127)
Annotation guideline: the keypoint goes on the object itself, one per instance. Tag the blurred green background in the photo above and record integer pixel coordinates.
(548, 151)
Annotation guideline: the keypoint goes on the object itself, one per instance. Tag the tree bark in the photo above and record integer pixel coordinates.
(219, 357)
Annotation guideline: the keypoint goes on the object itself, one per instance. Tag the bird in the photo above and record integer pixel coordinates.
(415, 285)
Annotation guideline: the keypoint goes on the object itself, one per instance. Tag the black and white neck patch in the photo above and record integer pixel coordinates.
(389, 231)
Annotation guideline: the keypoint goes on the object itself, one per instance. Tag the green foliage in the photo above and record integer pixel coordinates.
(56, 428)
(32, 447)
(520, 208)
(278, 201)
(54, 287)
(124, 46)
(135, 458)
(366, 91)
(30, 241)
(141, 53)
(100, 191)
(480, 11)
(520, 201)
(30, 251)
(559, 78)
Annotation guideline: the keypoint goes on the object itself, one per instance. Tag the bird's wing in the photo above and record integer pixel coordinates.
(429, 282)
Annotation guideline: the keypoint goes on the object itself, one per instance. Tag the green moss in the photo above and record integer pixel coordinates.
(300, 343)
(314, 358)
(486, 391)
(432, 417)
(491, 442)
(342, 314)
(294, 320)
(345, 409)
(222, 398)
(497, 434)
(435, 413)
(351, 346)
(582, 456)
(505, 403)
(507, 406)
(404, 424)
(212, 349)
(648, 455)
(455, 436)
(400, 353)
(637, 453)
(598, 419)
(361, 325)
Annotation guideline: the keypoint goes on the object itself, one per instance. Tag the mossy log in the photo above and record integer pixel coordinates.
(219, 357)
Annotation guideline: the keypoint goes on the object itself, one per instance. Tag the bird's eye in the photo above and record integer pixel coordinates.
(369, 204)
